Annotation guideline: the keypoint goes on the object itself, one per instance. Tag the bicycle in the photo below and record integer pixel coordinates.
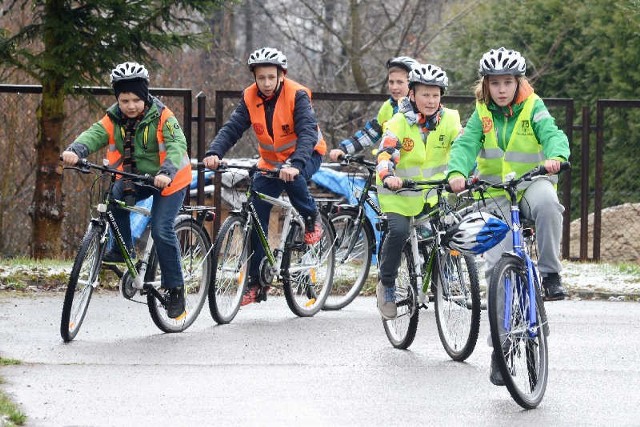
(306, 271)
(451, 276)
(519, 328)
(355, 240)
(143, 277)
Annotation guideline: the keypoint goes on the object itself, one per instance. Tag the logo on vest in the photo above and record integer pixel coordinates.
(286, 130)
(487, 124)
(258, 128)
(525, 128)
(407, 144)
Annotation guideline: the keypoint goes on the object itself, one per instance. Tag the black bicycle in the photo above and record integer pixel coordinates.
(355, 239)
(142, 276)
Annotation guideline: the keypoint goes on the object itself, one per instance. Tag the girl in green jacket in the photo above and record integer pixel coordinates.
(511, 130)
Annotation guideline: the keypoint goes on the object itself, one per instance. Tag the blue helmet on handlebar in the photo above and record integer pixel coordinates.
(476, 233)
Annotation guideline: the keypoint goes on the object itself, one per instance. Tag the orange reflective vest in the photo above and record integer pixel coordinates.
(115, 157)
(275, 151)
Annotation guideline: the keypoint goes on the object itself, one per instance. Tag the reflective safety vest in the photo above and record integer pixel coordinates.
(418, 161)
(523, 150)
(275, 151)
(385, 113)
(115, 157)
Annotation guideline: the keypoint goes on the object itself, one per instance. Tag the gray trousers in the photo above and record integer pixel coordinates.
(391, 253)
(540, 204)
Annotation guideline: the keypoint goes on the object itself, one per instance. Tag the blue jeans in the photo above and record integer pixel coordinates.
(391, 251)
(163, 213)
(299, 196)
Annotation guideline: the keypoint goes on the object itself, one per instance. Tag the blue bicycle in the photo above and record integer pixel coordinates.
(517, 317)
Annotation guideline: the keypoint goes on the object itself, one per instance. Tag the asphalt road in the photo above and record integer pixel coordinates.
(269, 367)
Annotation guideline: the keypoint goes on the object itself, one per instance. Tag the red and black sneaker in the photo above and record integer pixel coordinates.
(313, 230)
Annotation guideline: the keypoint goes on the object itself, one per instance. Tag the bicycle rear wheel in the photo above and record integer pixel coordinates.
(195, 247)
(352, 265)
(230, 269)
(82, 281)
(308, 269)
(401, 331)
(457, 302)
(521, 348)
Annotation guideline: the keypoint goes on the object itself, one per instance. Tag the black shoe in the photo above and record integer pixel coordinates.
(175, 302)
(113, 257)
(495, 376)
(553, 290)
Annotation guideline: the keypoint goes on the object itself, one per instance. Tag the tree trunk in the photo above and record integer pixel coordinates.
(46, 210)
(356, 48)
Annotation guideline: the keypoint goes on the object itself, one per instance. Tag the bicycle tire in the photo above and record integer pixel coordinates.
(457, 303)
(521, 357)
(195, 259)
(230, 269)
(308, 269)
(352, 268)
(401, 331)
(83, 279)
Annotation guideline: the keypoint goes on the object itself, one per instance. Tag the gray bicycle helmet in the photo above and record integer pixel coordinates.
(129, 71)
(267, 56)
(430, 75)
(476, 233)
(502, 61)
(403, 62)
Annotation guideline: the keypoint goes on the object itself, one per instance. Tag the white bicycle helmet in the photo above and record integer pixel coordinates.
(476, 233)
(502, 61)
(129, 71)
(267, 56)
(403, 62)
(430, 75)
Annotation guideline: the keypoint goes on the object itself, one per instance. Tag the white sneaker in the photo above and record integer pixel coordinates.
(386, 299)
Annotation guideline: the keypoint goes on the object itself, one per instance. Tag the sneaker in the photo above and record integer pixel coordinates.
(495, 376)
(386, 297)
(175, 303)
(251, 295)
(553, 290)
(312, 230)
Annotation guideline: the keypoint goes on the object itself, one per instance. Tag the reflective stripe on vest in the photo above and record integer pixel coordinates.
(523, 150)
(115, 158)
(418, 161)
(275, 151)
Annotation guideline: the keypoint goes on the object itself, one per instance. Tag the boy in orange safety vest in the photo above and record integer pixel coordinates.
(279, 111)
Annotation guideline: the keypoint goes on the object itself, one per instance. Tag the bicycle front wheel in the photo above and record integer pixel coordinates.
(457, 302)
(519, 342)
(401, 331)
(308, 269)
(230, 269)
(354, 249)
(195, 260)
(82, 281)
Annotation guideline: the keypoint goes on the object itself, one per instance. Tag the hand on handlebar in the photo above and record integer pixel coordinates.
(288, 173)
(336, 154)
(69, 158)
(161, 181)
(458, 184)
(211, 162)
(393, 183)
(552, 166)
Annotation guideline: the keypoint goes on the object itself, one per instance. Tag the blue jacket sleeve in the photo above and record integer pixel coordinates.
(231, 132)
(306, 128)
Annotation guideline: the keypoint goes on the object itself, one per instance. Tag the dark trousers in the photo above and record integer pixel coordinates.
(298, 192)
(163, 213)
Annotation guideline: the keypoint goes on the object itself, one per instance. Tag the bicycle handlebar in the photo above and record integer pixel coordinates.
(346, 159)
(225, 167)
(513, 183)
(85, 166)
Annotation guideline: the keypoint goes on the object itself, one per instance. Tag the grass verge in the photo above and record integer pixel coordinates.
(10, 415)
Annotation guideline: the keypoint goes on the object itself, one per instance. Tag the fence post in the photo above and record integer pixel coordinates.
(202, 102)
(584, 186)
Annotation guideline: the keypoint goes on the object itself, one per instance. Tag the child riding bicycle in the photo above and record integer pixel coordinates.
(280, 112)
(511, 130)
(397, 83)
(415, 146)
(144, 137)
